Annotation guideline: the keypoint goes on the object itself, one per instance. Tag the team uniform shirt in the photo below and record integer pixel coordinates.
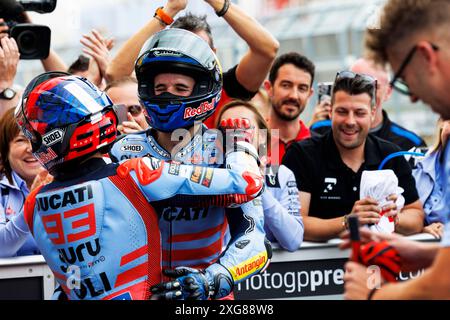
(282, 220)
(99, 221)
(15, 238)
(445, 174)
(430, 187)
(232, 89)
(334, 187)
(389, 131)
(195, 236)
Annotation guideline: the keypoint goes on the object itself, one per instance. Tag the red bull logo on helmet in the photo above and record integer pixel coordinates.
(202, 109)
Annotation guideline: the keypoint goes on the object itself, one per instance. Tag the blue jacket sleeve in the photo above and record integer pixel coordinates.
(13, 235)
(282, 212)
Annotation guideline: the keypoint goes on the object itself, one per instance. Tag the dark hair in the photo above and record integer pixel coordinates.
(298, 60)
(8, 131)
(354, 86)
(79, 65)
(120, 82)
(194, 23)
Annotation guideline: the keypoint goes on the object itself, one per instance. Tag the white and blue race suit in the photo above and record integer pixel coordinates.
(97, 227)
(195, 236)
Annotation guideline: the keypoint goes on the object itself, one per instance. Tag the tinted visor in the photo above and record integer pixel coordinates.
(28, 131)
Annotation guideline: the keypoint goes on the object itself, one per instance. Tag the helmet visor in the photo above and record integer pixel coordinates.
(26, 127)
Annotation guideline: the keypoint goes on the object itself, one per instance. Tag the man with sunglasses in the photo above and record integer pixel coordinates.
(413, 38)
(382, 126)
(124, 92)
(328, 168)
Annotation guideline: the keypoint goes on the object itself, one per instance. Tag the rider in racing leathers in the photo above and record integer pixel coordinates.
(180, 82)
(95, 224)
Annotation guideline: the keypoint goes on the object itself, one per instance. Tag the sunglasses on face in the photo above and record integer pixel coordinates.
(135, 109)
(397, 82)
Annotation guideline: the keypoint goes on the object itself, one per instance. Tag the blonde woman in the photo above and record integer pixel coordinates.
(430, 184)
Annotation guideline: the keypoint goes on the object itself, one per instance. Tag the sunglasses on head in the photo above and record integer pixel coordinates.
(353, 75)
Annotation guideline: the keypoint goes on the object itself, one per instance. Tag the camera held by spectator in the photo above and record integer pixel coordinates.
(33, 40)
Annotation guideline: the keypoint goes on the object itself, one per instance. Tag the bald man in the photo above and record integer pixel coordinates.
(382, 126)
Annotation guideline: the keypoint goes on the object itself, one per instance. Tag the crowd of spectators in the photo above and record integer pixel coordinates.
(313, 173)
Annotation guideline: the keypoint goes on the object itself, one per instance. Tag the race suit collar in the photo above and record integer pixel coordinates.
(181, 154)
(79, 170)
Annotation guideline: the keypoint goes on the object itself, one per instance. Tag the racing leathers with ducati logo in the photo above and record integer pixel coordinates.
(195, 237)
(97, 231)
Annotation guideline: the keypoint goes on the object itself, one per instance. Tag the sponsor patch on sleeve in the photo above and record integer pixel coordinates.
(248, 267)
(174, 168)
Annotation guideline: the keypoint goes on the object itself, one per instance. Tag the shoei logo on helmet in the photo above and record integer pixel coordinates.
(132, 148)
(202, 109)
(159, 53)
(53, 137)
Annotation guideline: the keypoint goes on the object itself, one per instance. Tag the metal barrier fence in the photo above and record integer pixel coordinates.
(315, 271)
(26, 278)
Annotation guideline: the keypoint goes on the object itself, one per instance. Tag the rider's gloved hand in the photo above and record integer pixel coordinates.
(193, 284)
(238, 135)
(237, 130)
(189, 284)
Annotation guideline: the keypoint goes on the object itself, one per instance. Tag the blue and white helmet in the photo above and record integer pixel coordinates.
(183, 52)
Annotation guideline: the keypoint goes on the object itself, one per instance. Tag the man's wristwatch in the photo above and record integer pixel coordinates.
(7, 94)
(345, 222)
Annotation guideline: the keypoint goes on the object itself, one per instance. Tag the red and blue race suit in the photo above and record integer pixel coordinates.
(197, 236)
(97, 228)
